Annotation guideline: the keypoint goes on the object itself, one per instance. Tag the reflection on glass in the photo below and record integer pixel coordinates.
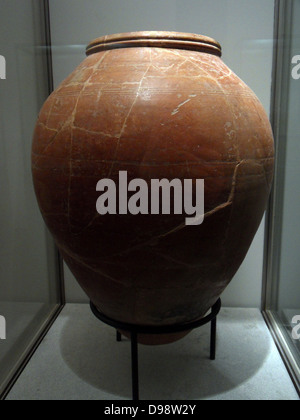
(28, 288)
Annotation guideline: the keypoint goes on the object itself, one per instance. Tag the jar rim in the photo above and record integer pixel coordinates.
(159, 39)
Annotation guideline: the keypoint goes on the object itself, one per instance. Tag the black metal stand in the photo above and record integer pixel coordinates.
(134, 330)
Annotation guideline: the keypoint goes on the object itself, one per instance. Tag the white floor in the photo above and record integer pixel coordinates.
(80, 360)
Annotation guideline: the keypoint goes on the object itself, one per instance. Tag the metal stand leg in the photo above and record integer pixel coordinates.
(134, 330)
(213, 337)
(134, 366)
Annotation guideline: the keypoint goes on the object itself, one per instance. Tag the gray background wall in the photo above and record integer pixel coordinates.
(245, 30)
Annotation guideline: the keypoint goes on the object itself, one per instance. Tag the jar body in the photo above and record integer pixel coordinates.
(156, 113)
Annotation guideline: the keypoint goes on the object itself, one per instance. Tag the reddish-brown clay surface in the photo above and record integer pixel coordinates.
(163, 105)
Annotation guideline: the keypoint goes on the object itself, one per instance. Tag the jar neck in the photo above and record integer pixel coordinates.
(156, 39)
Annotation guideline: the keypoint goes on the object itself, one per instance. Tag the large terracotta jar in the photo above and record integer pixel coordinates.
(159, 105)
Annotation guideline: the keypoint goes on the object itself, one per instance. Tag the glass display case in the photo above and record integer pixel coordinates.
(30, 285)
(282, 265)
(40, 45)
